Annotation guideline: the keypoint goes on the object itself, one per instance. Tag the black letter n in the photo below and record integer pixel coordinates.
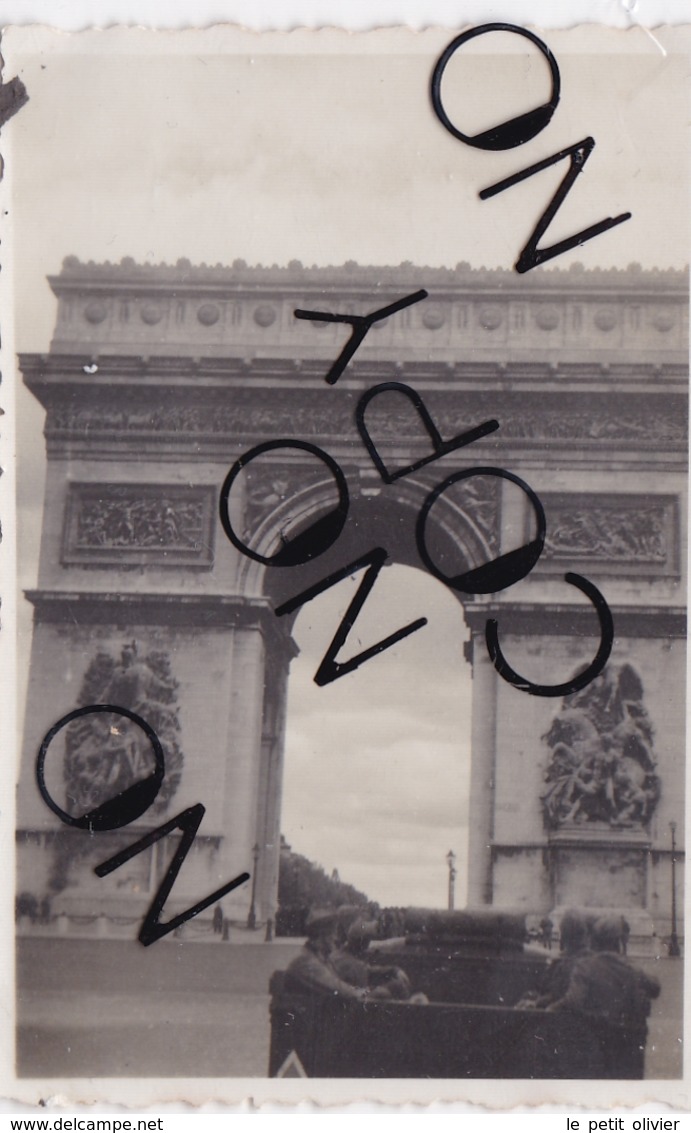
(188, 821)
(330, 669)
(532, 256)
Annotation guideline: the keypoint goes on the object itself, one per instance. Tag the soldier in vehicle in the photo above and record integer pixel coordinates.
(350, 962)
(313, 969)
(573, 936)
(546, 927)
(605, 984)
(613, 995)
(574, 941)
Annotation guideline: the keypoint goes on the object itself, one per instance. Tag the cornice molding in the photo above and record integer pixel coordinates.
(216, 372)
(241, 275)
(484, 315)
(552, 619)
(224, 612)
(197, 611)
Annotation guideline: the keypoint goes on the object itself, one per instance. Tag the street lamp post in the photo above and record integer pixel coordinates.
(673, 948)
(252, 915)
(451, 862)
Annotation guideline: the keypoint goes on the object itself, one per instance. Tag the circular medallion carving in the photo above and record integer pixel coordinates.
(433, 318)
(663, 321)
(547, 318)
(605, 319)
(95, 312)
(265, 315)
(151, 314)
(208, 314)
(490, 316)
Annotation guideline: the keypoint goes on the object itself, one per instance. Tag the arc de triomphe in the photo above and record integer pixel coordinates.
(159, 378)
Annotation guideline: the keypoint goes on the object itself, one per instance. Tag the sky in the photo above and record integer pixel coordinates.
(327, 155)
(377, 766)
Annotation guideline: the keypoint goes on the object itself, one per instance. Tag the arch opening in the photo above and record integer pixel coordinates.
(377, 763)
(376, 773)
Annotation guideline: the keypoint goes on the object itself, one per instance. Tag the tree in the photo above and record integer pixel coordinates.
(305, 885)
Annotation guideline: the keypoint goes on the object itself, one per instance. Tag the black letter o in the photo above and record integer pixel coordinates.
(128, 804)
(500, 573)
(517, 130)
(575, 684)
(307, 544)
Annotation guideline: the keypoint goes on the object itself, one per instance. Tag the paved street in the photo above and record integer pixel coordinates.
(106, 1008)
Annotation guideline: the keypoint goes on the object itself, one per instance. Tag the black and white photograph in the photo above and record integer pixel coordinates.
(348, 380)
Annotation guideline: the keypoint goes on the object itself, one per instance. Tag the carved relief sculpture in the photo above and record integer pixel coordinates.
(628, 531)
(137, 522)
(106, 754)
(270, 485)
(477, 500)
(602, 768)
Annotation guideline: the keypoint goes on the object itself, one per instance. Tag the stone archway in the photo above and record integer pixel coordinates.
(586, 373)
(385, 520)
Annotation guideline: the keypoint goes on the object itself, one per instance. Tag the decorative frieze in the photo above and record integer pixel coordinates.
(639, 427)
(116, 524)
